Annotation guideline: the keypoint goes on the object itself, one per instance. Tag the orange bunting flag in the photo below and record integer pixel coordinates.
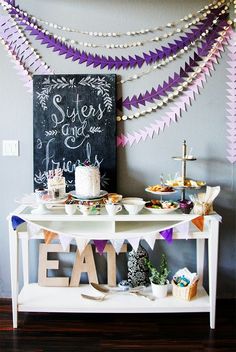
(49, 236)
(199, 222)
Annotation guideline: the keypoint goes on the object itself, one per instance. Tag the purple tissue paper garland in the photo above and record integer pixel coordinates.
(176, 79)
(176, 110)
(9, 32)
(116, 63)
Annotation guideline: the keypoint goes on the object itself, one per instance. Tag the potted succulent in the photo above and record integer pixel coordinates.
(159, 278)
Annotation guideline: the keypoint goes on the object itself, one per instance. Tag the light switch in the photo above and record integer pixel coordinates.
(10, 148)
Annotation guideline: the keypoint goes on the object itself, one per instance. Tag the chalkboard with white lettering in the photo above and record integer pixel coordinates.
(74, 124)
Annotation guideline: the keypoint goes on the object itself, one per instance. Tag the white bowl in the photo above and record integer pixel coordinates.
(133, 207)
(124, 200)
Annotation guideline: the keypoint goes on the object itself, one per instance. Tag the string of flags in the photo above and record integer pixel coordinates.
(65, 239)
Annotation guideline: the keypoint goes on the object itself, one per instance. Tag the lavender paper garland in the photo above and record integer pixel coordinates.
(231, 99)
(18, 45)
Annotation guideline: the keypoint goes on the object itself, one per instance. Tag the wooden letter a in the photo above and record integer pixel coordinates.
(84, 263)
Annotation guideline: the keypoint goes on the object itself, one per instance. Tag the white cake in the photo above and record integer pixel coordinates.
(56, 183)
(87, 181)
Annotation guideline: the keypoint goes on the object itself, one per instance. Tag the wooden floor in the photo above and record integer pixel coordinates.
(43, 332)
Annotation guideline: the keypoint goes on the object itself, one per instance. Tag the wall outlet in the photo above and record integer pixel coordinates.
(10, 148)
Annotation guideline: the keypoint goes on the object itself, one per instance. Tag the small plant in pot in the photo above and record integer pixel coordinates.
(159, 278)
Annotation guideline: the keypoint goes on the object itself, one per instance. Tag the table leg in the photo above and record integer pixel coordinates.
(213, 261)
(200, 259)
(25, 258)
(13, 241)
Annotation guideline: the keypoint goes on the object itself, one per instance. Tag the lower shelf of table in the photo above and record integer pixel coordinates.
(34, 298)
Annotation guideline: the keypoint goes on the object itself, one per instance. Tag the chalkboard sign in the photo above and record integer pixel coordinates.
(74, 123)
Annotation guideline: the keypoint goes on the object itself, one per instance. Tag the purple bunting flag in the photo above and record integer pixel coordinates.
(100, 245)
(167, 235)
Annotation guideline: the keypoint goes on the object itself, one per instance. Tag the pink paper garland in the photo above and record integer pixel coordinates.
(175, 112)
(24, 57)
(21, 71)
(231, 97)
(18, 66)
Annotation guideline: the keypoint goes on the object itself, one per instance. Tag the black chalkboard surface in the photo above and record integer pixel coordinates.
(74, 122)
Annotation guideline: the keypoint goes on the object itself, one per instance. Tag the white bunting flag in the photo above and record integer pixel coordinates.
(33, 229)
(151, 240)
(64, 240)
(134, 242)
(81, 244)
(117, 244)
(183, 228)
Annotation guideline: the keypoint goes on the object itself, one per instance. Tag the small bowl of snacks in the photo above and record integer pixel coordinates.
(114, 197)
(161, 207)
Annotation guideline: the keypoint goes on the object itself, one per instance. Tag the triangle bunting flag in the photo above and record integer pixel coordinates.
(199, 222)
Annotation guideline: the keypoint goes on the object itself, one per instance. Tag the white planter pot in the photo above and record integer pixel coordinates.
(159, 291)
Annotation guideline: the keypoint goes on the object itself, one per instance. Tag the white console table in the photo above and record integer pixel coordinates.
(33, 298)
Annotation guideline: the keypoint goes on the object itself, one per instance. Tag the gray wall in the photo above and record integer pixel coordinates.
(203, 126)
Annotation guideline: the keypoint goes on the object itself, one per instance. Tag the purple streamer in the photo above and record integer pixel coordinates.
(116, 63)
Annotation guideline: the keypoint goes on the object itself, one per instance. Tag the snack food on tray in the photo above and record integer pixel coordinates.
(87, 181)
(160, 188)
(159, 204)
(187, 183)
